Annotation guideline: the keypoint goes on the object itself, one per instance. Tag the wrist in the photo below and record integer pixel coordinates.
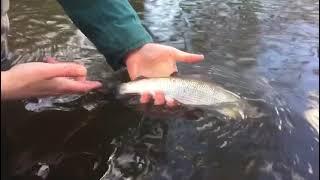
(130, 57)
(2, 87)
(6, 86)
(134, 55)
(132, 62)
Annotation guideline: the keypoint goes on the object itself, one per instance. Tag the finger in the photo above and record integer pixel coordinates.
(52, 60)
(64, 70)
(159, 98)
(80, 78)
(187, 57)
(170, 101)
(145, 98)
(71, 86)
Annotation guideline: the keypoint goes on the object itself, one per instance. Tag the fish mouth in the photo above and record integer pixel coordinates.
(121, 92)
(122, 89)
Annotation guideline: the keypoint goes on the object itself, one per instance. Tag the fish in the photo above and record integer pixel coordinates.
(193, 92)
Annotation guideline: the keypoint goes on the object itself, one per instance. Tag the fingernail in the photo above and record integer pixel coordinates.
(93, 83)
(97, 83)
(81, 70)
(144, 98)
(49, 59)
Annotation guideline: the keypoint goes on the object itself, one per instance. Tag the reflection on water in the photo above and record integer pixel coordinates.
(266, 51)
(160, 17)
(312, 111)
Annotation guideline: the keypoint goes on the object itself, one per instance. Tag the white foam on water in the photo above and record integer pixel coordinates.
(205, 126)
(310, 170)
(312, 112)
(224, 144)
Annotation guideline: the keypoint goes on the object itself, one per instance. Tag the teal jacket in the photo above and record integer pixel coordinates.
(111, 25)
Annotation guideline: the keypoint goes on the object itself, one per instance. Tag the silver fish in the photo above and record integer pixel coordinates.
(192, 92)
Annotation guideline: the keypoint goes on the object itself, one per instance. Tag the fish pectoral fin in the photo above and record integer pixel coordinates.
(232, 113)
(254, 100)
(225, 110)
(231, 110)
(227, 104)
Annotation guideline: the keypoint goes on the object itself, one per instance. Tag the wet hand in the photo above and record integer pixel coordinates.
(39, 79)
(155, 60)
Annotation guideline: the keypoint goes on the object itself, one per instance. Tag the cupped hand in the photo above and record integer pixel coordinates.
(40, 79)
(155, 60)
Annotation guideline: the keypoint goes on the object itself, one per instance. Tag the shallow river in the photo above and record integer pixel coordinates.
(265, 50)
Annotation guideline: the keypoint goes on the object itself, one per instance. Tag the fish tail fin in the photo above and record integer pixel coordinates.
(241, 111)
(232, 112)
(253, 110)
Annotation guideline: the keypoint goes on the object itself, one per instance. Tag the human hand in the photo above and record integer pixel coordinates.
(155, 60)
(39, 79)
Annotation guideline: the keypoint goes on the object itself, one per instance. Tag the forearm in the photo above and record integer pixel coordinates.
(112, 25)
(5, 84)
(2, 87)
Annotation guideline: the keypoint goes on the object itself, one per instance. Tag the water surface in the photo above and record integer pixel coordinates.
(259, 49)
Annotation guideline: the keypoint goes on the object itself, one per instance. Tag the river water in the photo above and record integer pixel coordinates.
(263, 50)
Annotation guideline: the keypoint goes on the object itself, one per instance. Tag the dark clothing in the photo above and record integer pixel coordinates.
(111, 25)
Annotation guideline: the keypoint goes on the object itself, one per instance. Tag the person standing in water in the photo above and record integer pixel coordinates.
(115, 29)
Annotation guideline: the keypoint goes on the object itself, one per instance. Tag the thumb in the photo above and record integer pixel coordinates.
(182, 56)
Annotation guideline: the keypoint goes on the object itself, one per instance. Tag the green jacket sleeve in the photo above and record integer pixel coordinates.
(111, 25)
